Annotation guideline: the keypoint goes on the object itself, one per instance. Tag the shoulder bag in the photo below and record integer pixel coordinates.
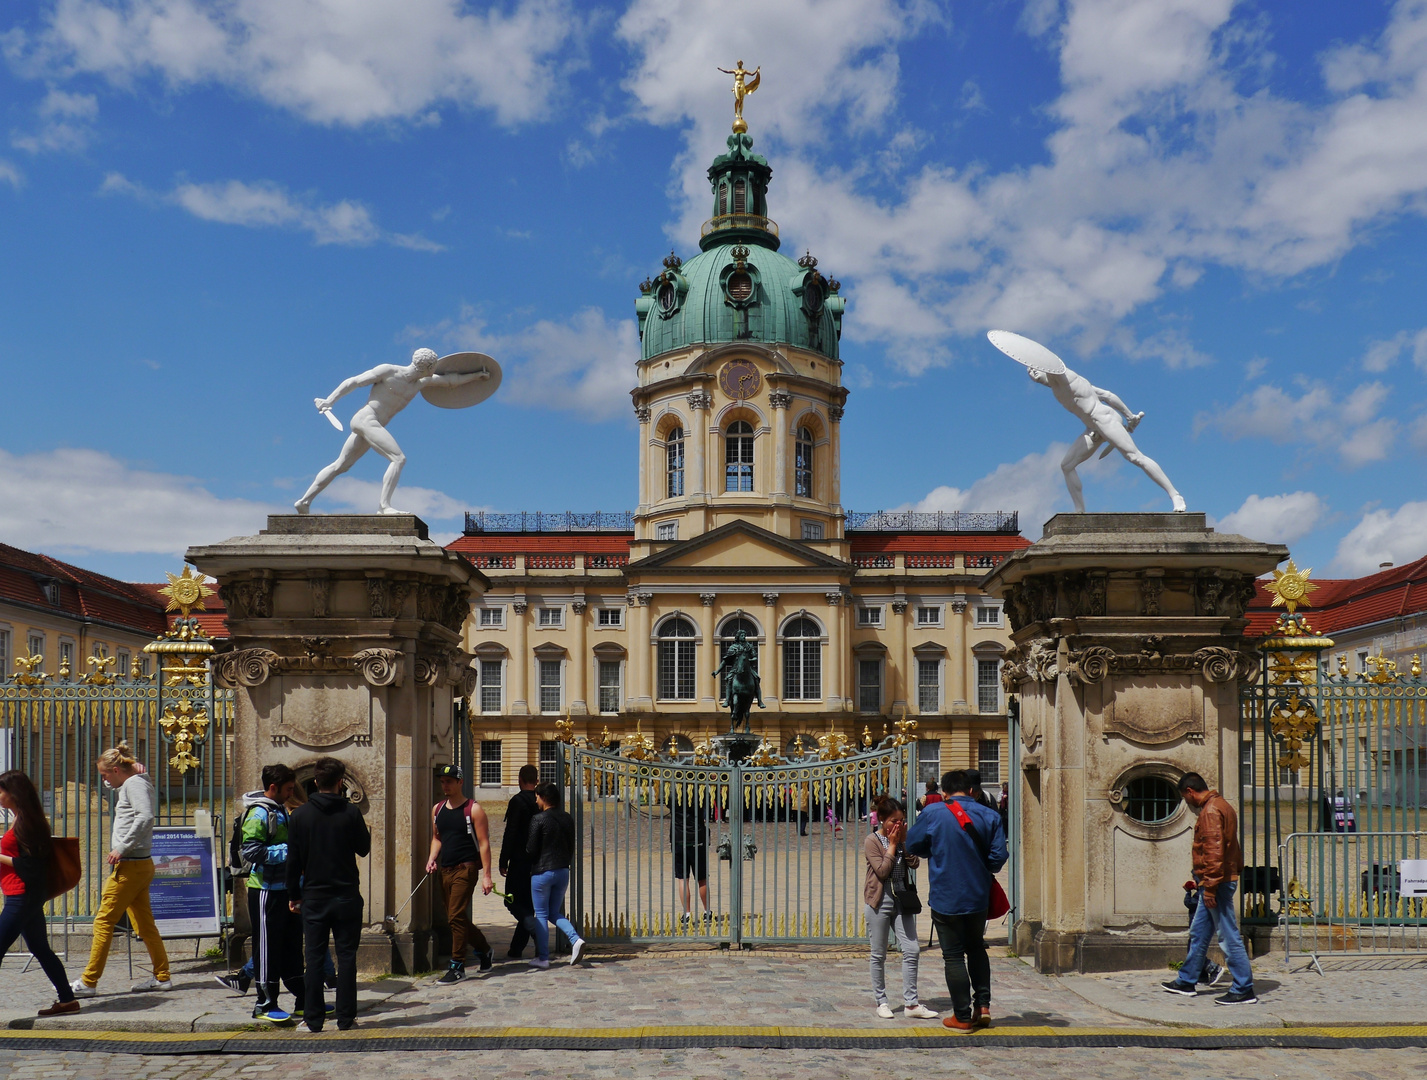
(908, 902)
(63, 870)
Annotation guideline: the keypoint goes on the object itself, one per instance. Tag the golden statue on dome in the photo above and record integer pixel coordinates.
(744, 83)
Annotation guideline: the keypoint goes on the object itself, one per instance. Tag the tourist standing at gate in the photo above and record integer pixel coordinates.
(889, 908)
(973, 779)
(324, 838)
(1218, 861)
(277, 930)
(689, 838)
(24, 857)
(515, 861)
(461, 851)
(131, 871)
(964, 846)
(551, 848)
(932, 795)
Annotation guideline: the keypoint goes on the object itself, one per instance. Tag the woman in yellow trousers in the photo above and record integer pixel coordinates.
(132, 869)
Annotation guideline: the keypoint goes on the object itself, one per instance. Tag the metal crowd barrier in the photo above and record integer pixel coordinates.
(1353, 895)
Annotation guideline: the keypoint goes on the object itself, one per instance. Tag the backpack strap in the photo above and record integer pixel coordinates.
(470, 826)
(436, 809)
(964, 820)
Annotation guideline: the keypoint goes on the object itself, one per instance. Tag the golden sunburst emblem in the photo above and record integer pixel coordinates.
(1291, 587)
(185, 592)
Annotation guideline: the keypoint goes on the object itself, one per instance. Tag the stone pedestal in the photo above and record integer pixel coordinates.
(346, 634)
(1128, 651)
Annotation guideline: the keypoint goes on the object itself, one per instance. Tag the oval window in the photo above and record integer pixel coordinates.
(740, 286)
(668, 298)
(1151, 799)
(812, 297)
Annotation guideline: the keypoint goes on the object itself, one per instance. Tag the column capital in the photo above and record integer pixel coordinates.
(519, 604)
(639, 599)
(770, 598)
(643, 413)
(833, 598)
(899, 607)
(700, 399)
(708, 598)
(834, 413)
(958, 605)
(579, 606)
(780, 399)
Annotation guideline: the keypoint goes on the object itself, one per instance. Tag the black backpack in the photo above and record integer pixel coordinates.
(236, 863)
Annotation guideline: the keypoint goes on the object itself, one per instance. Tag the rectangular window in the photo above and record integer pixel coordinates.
(988, 615)
(869, 616)
(928, 764)
(101, 650)
(490, 762)
(144, 666)
(4, 653)
(676, 669)
(493, 616)
(36, 645)
(550, 686)
(929, 616)
(988, 760)
(988, 686)
(812, 530)
(611, 616)
(121, 667)
(666, 530)
(929, 686)
(491, 686)
(549, 761)
(675, 448)
(552, 616)
(1246, 764)
(609, 686)
(802, 670)
(869, 686)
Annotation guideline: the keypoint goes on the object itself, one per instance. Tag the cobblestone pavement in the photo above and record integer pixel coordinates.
(1023, 1064)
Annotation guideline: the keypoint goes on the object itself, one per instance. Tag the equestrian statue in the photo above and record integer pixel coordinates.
(744, 686)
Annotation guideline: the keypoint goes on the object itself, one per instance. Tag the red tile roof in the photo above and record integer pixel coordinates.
(82, 594)
(1342, 604)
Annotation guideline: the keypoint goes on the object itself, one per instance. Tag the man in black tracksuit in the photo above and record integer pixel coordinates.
(515, 860)
(324, 838)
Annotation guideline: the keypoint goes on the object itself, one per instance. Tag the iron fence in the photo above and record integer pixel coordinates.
(778, 845)
(1000, 521)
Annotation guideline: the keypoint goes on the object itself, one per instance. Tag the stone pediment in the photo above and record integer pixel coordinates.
(741, 545)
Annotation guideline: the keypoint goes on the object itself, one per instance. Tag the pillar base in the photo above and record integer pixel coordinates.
(1072, 953)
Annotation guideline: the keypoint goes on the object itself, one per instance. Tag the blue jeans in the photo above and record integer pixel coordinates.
(547, 891)
(1220, 920)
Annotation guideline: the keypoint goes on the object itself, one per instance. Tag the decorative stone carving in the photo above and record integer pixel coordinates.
(1151, 590)
(780, 399)
(519, 605)
(380, 667)
(707, 598)
(579, 606)
(700, 399)
(958, 606)
(245, 667)
(379, 597)
(320, 582)
(833, 598)
(470, 679)
(770, 598)
(899, 607)
(1218, 663)
(1093, 600)
(428, 669)
(643, 413)
(1094, 663)
(834, 413)
(251, 598)
(1208, 591)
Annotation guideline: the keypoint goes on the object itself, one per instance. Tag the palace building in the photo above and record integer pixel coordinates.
(617, 621)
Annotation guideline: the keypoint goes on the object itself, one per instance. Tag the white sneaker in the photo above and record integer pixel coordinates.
(80, 990)
(920, 1012)
(575, 950)
(884, 1011)
(536, 962)
(302, 1027)
(151, 983)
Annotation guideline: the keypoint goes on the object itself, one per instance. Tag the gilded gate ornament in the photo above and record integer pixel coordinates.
(183, 725)
(1294, 722)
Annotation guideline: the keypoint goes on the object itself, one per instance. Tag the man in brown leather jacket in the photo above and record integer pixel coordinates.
(1218, 860)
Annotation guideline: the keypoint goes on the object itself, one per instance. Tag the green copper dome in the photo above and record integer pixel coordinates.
(739, 288)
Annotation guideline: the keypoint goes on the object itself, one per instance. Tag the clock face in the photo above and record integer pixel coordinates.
(739, 379)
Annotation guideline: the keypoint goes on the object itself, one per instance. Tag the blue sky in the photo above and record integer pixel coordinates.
(210, 213)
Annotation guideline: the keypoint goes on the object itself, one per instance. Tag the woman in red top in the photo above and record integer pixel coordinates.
(24, 854)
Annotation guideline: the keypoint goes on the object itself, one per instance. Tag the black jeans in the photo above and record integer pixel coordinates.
(19, 918)
(517, 884)
(277, 946)
(963, 951)
(341, 917)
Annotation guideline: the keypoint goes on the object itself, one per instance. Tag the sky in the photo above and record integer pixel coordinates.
(213, 211)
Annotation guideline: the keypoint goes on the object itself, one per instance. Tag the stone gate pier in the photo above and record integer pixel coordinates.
(1127, 655)
(346, 634)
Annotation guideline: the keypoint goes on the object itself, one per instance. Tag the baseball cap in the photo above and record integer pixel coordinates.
(448, 770)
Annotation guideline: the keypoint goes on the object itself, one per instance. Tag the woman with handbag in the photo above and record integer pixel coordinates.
(24, 855)
(892, 906)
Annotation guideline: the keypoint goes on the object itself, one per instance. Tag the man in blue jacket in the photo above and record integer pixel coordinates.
(964, 845)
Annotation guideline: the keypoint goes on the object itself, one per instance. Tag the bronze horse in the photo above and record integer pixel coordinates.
(744, 686)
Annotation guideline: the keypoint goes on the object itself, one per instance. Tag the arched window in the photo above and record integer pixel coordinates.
(676, 660)
(738, 457)
(801, 747)
(726, 637)
(722, 199)
(740, 197)
(803, 463)
(802, 661)
(674, 444)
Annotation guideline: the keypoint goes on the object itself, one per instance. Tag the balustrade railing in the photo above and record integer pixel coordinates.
(1000, 521)
(525, 521)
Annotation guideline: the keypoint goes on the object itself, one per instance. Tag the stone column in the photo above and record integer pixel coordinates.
(519, 664)
(836, 643)
(641, 653)
(642, 413)
(579, 660)
(899, 676)
(834, 471)
(780, 400)
(699, 402)
(346, 640)
(1127, 652)
(769, 673)
(958, 667)
(708, 685)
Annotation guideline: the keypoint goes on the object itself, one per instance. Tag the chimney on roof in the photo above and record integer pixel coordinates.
(1384, 566)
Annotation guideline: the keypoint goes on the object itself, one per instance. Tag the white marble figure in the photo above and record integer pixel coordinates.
(1099, 410)
(393, 387)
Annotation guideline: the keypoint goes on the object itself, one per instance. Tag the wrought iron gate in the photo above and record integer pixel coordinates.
(783, 850)
(176, 721)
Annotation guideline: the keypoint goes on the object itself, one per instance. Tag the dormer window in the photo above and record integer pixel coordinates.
(50, 588)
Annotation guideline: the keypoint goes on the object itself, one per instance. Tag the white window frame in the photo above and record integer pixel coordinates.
(7, 638)
(540, 685)
(875, 616)
(610, 618)
(981, 759)
(922, 759)
(676, 646)
(41, 638)
(881, 684)
(1000, 693)
(600, 686)
(803, 644)
(988, 615)
(68, 650)
(552, 774)
(491, 618)
(939, 664)
(481, 686)
(481, 780)
(122, 658)
(666, 530)
(551, 617)
(813, 530)
(934, 613)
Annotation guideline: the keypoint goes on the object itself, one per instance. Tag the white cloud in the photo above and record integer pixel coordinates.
(1317, 417)
(1397, 536)
(66, 123)
(10, 174)
(1381, 355)
(268, 205)
(584, 364)
(1275, 519)
(334, 63)
(363, 497)
(77, 500)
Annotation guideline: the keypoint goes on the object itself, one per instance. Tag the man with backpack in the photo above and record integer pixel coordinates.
(461, 850)
(277, 931)
(964, 846)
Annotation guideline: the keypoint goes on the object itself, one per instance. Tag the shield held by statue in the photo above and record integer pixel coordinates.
(467, 394)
